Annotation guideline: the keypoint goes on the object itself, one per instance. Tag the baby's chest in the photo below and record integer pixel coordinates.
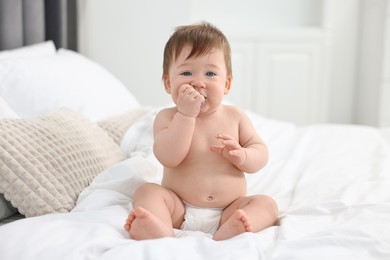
(204, 138)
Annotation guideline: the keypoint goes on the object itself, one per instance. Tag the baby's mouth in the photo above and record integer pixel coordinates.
(204, 101)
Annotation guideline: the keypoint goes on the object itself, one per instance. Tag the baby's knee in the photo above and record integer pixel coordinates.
(268, 203)
(148, 188)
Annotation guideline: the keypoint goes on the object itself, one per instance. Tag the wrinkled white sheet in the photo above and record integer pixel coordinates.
(331, 183)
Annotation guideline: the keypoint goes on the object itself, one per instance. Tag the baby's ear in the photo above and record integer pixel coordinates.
(228, 84)
(167, 84)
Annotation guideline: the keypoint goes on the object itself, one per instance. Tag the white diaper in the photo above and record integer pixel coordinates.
(201, 219)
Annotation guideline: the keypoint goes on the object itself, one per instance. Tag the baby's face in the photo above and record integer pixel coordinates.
(206, 73)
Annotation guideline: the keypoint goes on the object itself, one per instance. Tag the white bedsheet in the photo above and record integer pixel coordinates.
(331, 183)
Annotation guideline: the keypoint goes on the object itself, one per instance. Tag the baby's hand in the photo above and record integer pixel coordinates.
(189, 101)
(230, 150)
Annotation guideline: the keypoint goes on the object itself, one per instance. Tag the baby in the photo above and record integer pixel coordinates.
(204, 146)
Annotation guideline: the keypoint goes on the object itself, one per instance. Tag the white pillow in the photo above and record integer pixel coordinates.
(35, 86)
(6, 111)
(34, 50)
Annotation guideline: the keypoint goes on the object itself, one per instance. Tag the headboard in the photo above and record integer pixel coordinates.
(25, 22)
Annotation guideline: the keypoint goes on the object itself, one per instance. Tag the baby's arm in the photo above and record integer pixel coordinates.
(172, 136)
(173, 128)
(250, 154)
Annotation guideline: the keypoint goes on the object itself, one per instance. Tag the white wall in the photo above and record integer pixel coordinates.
(384, 108)
(373, 84)
(341, 23)
(127, 37)
(278, 50)
(250, 16)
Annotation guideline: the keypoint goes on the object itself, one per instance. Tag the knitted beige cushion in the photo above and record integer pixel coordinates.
(117, 126)
(46, 162)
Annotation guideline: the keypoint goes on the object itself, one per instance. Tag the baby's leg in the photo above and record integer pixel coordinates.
(248, 214)
(156, 211)
(141, 224)
(237, 223)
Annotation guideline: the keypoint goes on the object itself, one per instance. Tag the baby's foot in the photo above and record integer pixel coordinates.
(237, 224)
(141, 224)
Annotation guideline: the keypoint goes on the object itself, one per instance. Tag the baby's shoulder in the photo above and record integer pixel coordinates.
(168, 112)
(233, 111)
(163, 117)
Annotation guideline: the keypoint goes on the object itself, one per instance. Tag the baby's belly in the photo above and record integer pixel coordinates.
(206, 189)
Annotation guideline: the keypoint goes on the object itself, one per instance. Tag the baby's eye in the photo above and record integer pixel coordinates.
(186, 73)
(210, 74)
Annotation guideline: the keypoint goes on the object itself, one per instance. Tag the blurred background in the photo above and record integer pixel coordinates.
(305, 61)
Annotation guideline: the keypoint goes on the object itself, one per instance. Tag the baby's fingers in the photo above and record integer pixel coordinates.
(231, 145)
(216, 148)
(229, 141)
(224, 137)
(237, 156)
(234, 153)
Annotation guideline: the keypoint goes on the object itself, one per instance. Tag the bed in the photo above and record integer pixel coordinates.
(75, 144)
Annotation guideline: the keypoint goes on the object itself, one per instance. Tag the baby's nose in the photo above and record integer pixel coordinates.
(198, 84)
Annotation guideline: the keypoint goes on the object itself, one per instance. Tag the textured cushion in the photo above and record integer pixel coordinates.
(117, 126)
(47, 161)
(6, 208)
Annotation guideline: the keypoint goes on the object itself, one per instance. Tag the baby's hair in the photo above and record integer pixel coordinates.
(202, 38)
